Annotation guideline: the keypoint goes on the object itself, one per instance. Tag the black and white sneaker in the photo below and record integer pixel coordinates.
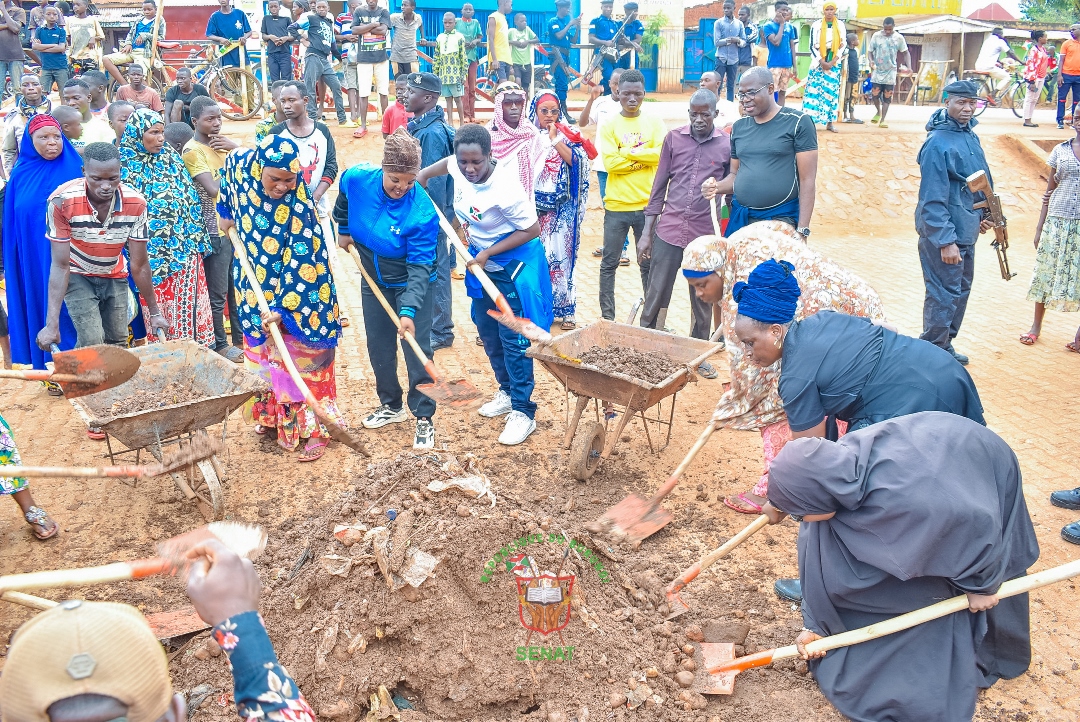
(425, 435)
(384, 415)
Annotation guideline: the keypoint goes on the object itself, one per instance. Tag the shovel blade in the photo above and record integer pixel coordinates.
(633, 518)
(677, 606)
(456, 394)
(524, 326)
(176, 623)
(102, 366)
(713, 654)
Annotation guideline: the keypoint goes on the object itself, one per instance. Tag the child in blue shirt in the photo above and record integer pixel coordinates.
(779, 37)
(50, 42)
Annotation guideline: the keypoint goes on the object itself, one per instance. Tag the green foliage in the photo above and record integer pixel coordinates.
(651, 38)
(1064, 12)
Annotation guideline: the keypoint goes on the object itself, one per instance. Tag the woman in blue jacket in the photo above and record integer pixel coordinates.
(392, 221)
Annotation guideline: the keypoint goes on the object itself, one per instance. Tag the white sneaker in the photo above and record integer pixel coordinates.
(384, 415)
(518, 428)
(425, 435)
(498, 406)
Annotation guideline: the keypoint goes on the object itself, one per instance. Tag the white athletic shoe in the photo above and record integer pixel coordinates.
(498, 406)
(425, 435)
(384, 415)
(518, 428)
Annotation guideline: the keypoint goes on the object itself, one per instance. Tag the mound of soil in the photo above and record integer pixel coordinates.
(149, 399)
(345, 622)
(650, 366)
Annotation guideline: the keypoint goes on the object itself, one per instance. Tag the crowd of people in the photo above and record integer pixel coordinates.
(140, 203)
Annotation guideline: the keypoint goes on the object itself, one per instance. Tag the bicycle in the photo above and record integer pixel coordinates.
(1011, 96)
(236, 90)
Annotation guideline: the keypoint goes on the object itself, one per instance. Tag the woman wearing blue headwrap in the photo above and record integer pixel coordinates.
(264, 198)
(840, 367)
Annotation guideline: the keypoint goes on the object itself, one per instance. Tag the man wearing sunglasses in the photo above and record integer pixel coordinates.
(773, 159)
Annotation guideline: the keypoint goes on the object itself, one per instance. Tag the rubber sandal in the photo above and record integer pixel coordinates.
(53, 389)
(359, 133)
(598, 252)
(1072, 347)
(344, 321)
(457, 275)
(37, 517)
(883, 124)
(260, 430)
(1029, 339)
(568, 325)
(479, 341)
(95, 434)
(754, 507)
(624, 261)
(312, 453)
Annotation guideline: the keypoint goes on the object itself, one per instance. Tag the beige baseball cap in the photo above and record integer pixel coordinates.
(81, 647)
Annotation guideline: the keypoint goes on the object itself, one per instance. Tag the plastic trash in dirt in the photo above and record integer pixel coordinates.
(476, 486)
(419, 565)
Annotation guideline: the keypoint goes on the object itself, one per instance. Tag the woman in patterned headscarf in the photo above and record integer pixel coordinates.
(263, 197)
(178, 238)
(561, 192)
(712, 265)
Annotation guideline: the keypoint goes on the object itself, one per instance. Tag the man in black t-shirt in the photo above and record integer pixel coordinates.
(278, 43)
(773, 159)
(318, 27)
(178, 98)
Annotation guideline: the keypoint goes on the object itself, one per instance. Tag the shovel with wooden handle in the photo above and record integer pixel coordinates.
(337, 432)
(721, 666)
(675, 603)
(165, 625)
(83, 371)
(247, 540)
(200, 448)
(458, 393)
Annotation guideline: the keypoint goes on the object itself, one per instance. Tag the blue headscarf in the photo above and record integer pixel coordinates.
(770, 293)
(27, 253)
(284, 244)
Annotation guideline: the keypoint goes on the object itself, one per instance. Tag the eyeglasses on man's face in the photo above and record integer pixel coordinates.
(748, 94)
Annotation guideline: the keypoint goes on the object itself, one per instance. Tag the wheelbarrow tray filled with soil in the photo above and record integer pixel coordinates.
(636, 394)
(576, 358)
(180, 387)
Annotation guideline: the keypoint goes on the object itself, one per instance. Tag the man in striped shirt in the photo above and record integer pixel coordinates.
(90, 221)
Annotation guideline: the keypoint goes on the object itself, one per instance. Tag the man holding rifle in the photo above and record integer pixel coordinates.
(945, 217)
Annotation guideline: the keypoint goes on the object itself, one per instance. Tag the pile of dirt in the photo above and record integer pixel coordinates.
(345, 620)
(650, 366)
(150, 399)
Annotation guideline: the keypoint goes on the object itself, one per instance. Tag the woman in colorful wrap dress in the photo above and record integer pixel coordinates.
(562, 192)
(712, 265)
(893, 520)
(178, 238)
(263, 197)
(828, 48)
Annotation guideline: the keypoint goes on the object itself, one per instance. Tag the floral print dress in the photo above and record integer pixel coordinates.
(1056, 282)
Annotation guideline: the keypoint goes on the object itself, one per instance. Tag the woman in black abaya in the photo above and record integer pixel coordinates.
(897, 516)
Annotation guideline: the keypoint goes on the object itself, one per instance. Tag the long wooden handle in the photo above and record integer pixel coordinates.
(120, 571)
(712, 212)
(1010, 588)
(41, 375)
(28, 600)
(681, 468)
(309, 398)
(720, 552)
(489, 286)
(136, 472)
(389, 309)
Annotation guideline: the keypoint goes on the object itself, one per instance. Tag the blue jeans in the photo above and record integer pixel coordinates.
(506, 348)
(947, 290)
(1064, 84)
(728, 76)
(279, 66)
(442, 322)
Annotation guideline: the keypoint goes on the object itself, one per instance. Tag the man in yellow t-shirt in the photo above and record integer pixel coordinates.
(631, 143)
(500, 60)
(204, 157)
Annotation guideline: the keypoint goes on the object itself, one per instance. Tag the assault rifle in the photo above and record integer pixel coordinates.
(976, 183)
(612, 53)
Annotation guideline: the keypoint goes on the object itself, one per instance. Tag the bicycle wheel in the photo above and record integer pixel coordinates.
(238, 93)
(983, 97)
(1015, 98)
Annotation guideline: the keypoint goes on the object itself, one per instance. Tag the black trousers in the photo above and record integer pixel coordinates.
(663, 269)
(218, 269)
(382, 348)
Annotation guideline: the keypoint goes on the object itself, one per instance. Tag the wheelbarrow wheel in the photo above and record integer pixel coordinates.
(586, 449)
(205, 483)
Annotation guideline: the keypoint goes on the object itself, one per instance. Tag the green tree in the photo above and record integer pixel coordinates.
(1064, 12)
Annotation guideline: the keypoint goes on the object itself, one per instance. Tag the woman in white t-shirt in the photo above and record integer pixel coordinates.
(501, 227)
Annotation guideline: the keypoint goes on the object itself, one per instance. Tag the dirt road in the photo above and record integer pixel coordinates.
(450, 647)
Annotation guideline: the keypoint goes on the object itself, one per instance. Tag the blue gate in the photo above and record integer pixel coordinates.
(699, 53)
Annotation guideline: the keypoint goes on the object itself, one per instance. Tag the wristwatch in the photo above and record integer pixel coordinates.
(804, 231)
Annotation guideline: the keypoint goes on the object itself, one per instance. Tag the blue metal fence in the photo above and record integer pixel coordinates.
(700, 53)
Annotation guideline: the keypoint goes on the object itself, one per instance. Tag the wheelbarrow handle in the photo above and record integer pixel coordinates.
(428, 365)
(309, 398)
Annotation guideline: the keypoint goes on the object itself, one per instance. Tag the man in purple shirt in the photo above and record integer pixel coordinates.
(677, 213)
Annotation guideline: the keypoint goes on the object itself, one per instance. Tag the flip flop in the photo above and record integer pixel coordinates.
(568, 325)
(1029, 339)
(312, 453)
(359, 133)
(95, 434)
(260, 430)
(1074, 347)
(755, 508)
(883, 124)
(38, 517)
(344, 321)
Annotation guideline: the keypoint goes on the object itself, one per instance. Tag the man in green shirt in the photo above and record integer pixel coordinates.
(522, 38)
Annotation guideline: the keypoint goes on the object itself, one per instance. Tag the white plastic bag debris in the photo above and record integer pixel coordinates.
(419, 565)
(476, 486)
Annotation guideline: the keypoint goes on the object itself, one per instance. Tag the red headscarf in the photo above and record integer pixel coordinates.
(40, 121)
